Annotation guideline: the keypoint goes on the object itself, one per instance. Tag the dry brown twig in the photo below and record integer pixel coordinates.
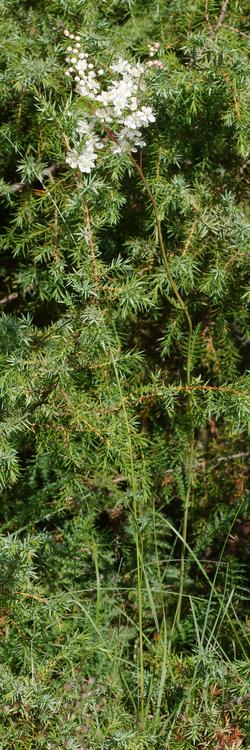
(237, 31)
(207, 16)
(8, 298)
(192, 230)
(17, 187)
(220, 19)
(221, 16)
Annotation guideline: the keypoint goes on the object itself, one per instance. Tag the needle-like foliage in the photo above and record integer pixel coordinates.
(124, 340)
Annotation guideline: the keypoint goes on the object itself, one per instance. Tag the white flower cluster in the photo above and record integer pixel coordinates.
(114, 110)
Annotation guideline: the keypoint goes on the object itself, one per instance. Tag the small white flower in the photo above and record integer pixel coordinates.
(121, 66)
(85, 160)
(116, 148)
(133, 103)
(72, 159)
(138, 70)
(104, 98)
(83, 126)
(130, 122)
(81, 65)
(83, 91)
(147, 113)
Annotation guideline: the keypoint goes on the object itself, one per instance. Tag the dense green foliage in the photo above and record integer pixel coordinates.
(124, 339)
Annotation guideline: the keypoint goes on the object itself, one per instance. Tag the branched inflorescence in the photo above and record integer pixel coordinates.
(115, 113)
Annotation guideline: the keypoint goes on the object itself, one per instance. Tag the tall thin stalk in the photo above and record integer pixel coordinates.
(189, 474)
(139, 560)
(189, 466)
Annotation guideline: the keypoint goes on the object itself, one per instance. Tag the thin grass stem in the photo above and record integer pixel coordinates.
(189, 470)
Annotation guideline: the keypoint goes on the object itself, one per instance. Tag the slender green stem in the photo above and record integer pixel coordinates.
(139, 559)
(189, 475)
(189, 468)
(98, 582)
(167, 264)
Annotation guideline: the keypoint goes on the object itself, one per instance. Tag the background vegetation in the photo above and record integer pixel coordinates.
(124, 546)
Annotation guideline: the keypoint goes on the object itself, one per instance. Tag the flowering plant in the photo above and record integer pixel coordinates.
(124, 391)
(115, 113)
